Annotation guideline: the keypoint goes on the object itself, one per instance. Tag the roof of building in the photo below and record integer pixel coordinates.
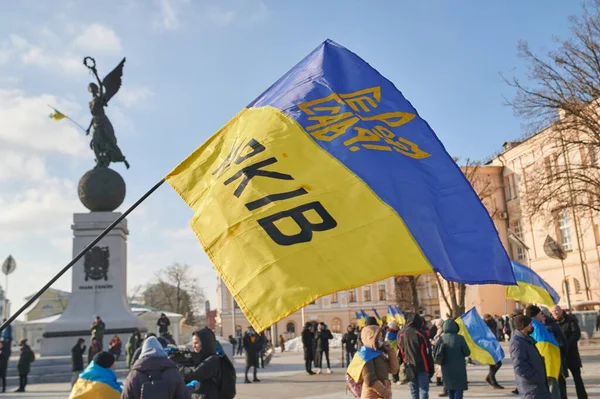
(60, 292)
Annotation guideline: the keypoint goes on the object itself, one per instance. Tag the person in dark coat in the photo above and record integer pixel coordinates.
(415, 350)
(24, 365)
(207, 365)
(307, 343)
(97, 329)
(163, 324)
(154, 365)
(77, 360)
(250, 342)
(454, 368)
(94, 348)
(138, 351)
(530, 370)
(350, 340)
(323, 337)
(570, 327)
(3, 365)
(135, 341)
(491, 377)
(7, 338)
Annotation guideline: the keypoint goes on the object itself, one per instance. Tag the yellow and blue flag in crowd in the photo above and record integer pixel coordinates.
(531, 288)
(481, 341)
(275, 192)
(361, 320)
(390, 314)
(399, 316)
(548, 348)
(361, 357)
(379, 321)
(96, 382)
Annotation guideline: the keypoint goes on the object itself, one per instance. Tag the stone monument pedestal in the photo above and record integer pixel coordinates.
(99, 287)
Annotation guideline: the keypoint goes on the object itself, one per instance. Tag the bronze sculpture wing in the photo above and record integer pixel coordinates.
(112, 81)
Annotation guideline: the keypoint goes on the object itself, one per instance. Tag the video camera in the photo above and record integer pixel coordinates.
(183, 357)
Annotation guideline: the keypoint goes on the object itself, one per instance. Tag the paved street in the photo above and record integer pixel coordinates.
(284, 378)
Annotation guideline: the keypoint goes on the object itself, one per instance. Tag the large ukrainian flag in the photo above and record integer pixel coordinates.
(361, 357)
(483, 344)
(531, 287)
(548, 348)
(330, 180)
(96, 382)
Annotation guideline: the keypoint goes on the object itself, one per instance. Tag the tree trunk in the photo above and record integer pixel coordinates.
(412, 281)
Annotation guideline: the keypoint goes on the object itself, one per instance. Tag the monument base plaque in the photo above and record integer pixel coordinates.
(99, 287)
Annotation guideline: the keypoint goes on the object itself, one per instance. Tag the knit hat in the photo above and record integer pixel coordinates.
(522, 321)
(104, 359)
(393, 325)
(532, 311)
(372, 321)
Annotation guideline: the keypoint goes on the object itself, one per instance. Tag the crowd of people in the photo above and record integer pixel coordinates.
(416, 353)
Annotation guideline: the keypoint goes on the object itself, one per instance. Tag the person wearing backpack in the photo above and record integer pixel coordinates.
(454, 368)
(207, 365)
(154, 375)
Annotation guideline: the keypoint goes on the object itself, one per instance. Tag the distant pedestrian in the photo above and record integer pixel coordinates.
(261, 348)
(135, 341)
(240, 346)
(323, 337)
(250, 342)
(7, 338)
(3, 365)
(114, 347)
(350, 340)
(416, 351)
(77, 352)
(97, 330)
(24, 365)
(163, 324)
(530, 370)
(434, 341)
(282, 343)
(307, 343)
(93, 350)
(233, 343)
(454, 369)
(570, 327)
(491, 377)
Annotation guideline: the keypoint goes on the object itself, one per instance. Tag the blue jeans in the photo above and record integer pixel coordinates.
(419, 388)
(349, 356)
(455, 394)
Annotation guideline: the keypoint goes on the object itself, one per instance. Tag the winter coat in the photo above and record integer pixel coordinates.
(207, 369)
(530, 370)
(414, 346)
(553, 327)
(570, 327)
(130, 348)
(439, 333)
(92, 352)
(251, 343)
(97, 330)
(27, 357)
(163, 324)
(77, 357)
(154, 364)
(4, 354)
(454, 368)
(349, 340)
(323, 338)
(307, 342)
(376, 383)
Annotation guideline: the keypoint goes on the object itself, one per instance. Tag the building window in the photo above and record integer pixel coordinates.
(290, 327)
(334, 298)
(336, 325)
(507, 189)
(576, 286)
(520, 251)
(351, 296)
(367, 294)
(564, 230)
(511, 187)
(551, 165)
(382, 294)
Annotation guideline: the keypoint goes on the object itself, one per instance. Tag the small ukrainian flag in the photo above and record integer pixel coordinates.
(57, 115)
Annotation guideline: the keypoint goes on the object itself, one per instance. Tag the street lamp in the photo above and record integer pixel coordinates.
(8, 267)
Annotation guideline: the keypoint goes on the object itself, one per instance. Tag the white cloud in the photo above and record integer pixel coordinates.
(16, 165)
(168, 16)
(131, 96)
(25, 124)
(29, 54)
(98, 39)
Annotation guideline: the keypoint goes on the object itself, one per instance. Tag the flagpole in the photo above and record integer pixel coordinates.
(80, 255)
(67, 117)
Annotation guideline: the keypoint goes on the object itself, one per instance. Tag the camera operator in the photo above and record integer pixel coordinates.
(206, 365)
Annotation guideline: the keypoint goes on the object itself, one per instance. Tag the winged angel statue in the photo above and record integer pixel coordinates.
(104, 141)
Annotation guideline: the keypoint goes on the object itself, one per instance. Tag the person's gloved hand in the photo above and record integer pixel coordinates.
(192, 384)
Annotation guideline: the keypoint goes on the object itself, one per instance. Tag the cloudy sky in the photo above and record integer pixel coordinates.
(192, 65)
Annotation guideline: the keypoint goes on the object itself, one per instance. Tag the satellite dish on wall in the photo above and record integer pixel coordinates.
(553, 249)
